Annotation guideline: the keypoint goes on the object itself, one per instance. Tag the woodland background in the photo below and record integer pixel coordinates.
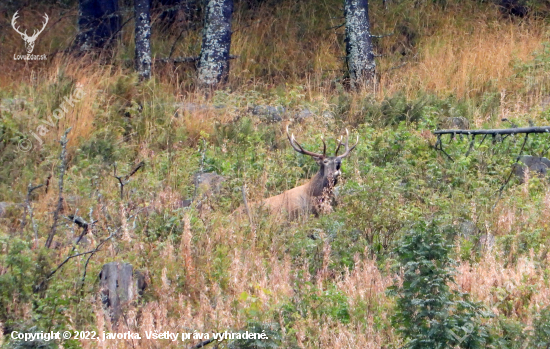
(421, 251)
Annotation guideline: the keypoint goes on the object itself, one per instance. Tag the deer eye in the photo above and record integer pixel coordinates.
(325, 161)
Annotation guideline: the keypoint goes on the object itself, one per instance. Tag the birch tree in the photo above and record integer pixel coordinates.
(216, 43)
(143, 37)
(359, 52)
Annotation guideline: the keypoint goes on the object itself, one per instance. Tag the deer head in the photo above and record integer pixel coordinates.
(329, 166)
(29, 40)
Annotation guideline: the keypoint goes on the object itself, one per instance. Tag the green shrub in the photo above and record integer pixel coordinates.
(541, 330)
(428, 313)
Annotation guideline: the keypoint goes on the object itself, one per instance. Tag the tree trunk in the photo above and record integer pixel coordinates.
(143, 37)
(98, 23)
(359, 53)
(216, 43)
(120, 285)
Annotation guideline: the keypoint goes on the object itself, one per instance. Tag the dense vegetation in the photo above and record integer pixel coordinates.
(341, 280)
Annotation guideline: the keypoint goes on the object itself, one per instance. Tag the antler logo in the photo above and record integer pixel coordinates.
(29, 40)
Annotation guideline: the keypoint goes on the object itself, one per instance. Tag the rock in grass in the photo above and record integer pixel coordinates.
(5, 208)
(209, 183)
(269, 113)
(304, 114)
(487, 242)
(537, 166)
(455, 123)
(467, 228)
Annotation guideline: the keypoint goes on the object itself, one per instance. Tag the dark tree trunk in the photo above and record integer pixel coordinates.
(98, 23)
(359, 53)
(216, 43)
(143, 37)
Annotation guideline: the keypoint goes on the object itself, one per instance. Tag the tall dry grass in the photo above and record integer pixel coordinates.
(516, 290)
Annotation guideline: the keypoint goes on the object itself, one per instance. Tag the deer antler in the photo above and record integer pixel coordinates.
(348, 149)
(13, 24)
(301, 150)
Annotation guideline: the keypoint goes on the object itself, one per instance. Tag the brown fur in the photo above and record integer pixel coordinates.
(308, 198)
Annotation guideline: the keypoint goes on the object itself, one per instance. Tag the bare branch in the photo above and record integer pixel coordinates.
(511, 171)
(27, 205)
(62, 167)
(471, 145)
(123, 180)
(337, 26)
(252, 226)
(494, 132)
(381, 35)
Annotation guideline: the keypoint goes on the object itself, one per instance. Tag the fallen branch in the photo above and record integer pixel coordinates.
(203, 344)
(494, 132)
(185, 59)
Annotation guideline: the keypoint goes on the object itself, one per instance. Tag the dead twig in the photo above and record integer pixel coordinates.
(62, 167)
(471, 145)
(27, 208)
(511, 170)
(201, 169)
(123, 180)
(439, 146)
(338, 26)
(381, 35)
(252, 226)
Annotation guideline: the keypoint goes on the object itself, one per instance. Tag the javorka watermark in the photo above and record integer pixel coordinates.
(42, 130)
(29, 40)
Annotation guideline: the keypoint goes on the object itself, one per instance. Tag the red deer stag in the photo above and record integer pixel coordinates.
(310, 197)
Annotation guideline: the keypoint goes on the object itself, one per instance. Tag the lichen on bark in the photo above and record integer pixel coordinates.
(216, 44)
(359, 51)
(143, 38)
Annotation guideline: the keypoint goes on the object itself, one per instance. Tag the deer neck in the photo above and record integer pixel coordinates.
(319, 183)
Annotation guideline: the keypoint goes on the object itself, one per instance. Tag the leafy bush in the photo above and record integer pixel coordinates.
(272, 331)
(428, 313)
(541, 330)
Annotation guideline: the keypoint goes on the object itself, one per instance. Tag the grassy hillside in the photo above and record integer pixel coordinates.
(311, 283)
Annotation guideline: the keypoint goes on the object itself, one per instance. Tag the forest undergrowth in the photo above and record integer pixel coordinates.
(316, 282)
